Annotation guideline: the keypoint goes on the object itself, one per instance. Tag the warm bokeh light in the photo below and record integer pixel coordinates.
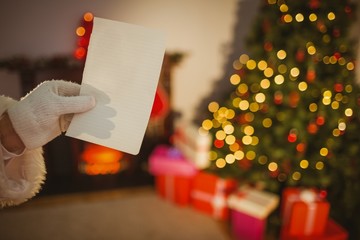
(88, 16)
(80, 31)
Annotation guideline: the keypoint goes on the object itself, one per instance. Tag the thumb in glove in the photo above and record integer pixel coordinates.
(46, 112)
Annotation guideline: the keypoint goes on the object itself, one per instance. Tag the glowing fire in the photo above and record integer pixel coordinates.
(98, 160)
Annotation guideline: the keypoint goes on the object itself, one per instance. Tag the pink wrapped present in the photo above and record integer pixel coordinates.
(173, 174)
(249, 211)
(166, 160)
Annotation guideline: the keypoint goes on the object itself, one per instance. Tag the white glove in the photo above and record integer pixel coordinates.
(46, 112)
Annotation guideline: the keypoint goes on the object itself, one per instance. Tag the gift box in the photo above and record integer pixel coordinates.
(192, 144)
(332, 231)
(304, 212)
(209, 194)
(173, 174)
(249, 211)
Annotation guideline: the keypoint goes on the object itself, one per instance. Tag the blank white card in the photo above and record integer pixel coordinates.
(122, 70)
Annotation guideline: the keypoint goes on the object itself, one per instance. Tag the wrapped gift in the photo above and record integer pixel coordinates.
(192, 144)
(332, 231)
(209, 194)
(249, 211)
(173, 174)
(304, 212)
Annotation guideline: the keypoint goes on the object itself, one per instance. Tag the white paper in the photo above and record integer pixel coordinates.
(122, 70)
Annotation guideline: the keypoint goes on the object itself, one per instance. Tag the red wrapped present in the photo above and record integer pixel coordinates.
(209, 194)
(333, 231)
(249, 211)
(304, 212)
(173, 174)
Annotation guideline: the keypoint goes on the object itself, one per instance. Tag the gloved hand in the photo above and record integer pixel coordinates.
(46, 112)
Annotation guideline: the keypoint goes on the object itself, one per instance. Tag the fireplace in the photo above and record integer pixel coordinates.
(76, 166)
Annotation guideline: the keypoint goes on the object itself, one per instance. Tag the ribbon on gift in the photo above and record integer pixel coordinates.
(169, 187)
(217, 201)
(310, 218)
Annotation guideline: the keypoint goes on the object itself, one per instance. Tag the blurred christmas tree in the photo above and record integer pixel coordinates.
(292, 118)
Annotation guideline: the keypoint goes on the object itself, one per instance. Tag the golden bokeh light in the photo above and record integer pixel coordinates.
(220, 163)
(254, 107)
(296, 176)
(265, 83)
(319, 165)
(268, 72)
(342, 126)
(207, 124)
(281, 54)
(299, 17)
(312, 17)
(230, 139)
(230, 158)
(242, 88)
(249, 130)
(279, 79)
(272, 166)
(350, 66)
(267, 122)
(251, 64)
(302, 86)
(213, 107)
(246, 140)
(244, 58)
(348, 112)
(239, 155)
(288, 18)
(229, 129)
(220, 135)
(262, 65)
(260, 97)
(294, 72)
(311, 50)
(324, 152)
(244, 105)
(331, 16)
(234, 147)
(235, 79)
(250, 155)
(304, 164)
(284, 8)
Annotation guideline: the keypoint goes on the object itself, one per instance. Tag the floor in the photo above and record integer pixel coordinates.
(131, 214)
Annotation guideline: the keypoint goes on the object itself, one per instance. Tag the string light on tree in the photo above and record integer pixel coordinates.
(295, 104)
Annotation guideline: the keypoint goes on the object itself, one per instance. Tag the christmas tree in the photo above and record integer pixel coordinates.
(292, 117)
